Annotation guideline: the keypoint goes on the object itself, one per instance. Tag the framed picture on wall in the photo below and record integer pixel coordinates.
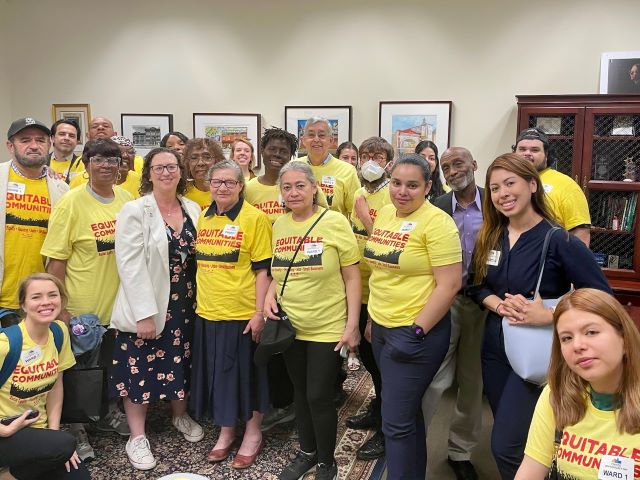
(339, 118)
(224, 128)
(405, 124)
(145, 130)
(80, 112)
(620, 72)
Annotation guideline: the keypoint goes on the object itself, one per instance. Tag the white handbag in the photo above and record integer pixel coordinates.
(528, 347)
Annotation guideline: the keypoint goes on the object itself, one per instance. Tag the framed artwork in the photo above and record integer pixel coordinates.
(224, 128)
(339, 118)
(405, 124)
(145, 130)
(80, 112)
(620, 72)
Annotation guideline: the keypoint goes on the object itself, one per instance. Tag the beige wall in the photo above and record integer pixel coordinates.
(256, 56)
(5, 84)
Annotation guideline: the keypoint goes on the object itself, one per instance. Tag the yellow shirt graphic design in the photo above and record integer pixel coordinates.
(35, 374)
(583, 444)
(201, 198)
(266, 198)
(228, 246)
(376, 201)
(64, 167)
(401, 253)
(314, 296)
(28, 210)
(339, 181)
(82, 231)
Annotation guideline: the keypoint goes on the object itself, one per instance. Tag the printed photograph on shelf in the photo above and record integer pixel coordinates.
(339, 118)
(79, 112)
(622, 125)
(550, 125)
(601, 168)
(405, 124)
(225, 128)
(620, 72)
(145, 130)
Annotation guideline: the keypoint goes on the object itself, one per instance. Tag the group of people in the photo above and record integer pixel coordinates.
(366, 252)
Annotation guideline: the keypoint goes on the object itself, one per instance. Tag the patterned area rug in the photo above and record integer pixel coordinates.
(174, 454)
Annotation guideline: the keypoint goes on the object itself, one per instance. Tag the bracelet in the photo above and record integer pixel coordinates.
(498, 308)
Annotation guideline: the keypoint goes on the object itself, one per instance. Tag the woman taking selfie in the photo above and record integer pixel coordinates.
(506, 265)
(592, 400)
(32, 445)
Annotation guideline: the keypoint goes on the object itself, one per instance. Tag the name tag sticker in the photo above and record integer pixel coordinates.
(615, 468)
(312, 249)
(407, 226)
(16, 187)
(494, 258)
(328, 180)
(31, 355)
(230, 230)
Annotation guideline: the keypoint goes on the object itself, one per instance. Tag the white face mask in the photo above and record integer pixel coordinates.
(371, 171)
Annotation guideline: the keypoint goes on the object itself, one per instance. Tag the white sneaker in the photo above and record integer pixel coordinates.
(83, 447)
(189, 428)
(114, 421)
(139, 453)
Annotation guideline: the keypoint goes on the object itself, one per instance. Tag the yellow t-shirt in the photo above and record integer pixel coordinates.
(376, 201)
(201, 198)
(28, 210)
(228, 246)
(82, 232)
(567, 202)
(339, 181)
(62, 167)
(583, 444)
(30, 382)
(131, 184)
(314, 296)
(267, 199)
(138, 163)
(401, 253)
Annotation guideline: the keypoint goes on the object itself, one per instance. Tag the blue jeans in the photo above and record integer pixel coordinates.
(511, 398)
(407, 365)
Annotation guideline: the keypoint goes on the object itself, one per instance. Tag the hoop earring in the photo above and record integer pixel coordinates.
(87, 175)
(118, 177)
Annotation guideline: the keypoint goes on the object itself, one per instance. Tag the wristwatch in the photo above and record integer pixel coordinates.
(419, 331)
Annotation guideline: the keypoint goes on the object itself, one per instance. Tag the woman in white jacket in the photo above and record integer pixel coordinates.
(154, 308)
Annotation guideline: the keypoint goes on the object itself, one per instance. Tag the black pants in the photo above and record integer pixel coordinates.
(313, 368)
(280, 386)
(368, 360)
(40, 453)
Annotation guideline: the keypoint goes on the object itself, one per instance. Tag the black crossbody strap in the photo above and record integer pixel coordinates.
(284, 283)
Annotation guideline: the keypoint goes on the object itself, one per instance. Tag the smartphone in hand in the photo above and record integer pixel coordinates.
(9, 420)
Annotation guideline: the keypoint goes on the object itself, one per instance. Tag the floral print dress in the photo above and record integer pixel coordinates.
(146, 371)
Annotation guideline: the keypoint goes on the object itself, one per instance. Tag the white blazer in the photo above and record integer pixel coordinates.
(142, 258)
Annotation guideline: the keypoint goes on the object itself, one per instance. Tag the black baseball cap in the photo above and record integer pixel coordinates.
(27, 122)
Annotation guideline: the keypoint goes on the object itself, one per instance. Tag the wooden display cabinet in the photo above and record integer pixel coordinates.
(596, 140)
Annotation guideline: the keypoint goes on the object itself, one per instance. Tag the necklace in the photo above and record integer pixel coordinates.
(167, 212)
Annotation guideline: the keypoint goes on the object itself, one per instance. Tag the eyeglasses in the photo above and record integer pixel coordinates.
(170, 167)
(378, 157)
(320, 135)
(215, 183)
(205, 157)
(102, 161)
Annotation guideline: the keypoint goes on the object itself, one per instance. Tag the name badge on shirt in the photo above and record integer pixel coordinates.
(328, 180)
(615, 468)
(312, 248)
(407, 226)
(16, 187)
(494, 258)
(230, 230)
(31, 355)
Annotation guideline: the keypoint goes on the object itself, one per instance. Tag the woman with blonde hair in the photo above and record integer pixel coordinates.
(591, 406)
(506, 265)
(242, 152)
